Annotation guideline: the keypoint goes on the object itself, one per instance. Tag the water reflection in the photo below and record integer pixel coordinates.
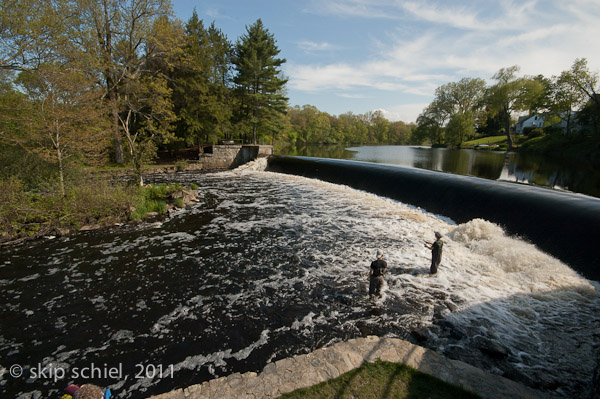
(570, 175)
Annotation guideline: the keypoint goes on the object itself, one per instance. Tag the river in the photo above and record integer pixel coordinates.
(268, 266)
(574, 175)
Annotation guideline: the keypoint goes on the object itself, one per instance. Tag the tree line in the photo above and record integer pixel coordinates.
(92, 80)
(307, 125)
(461, 110)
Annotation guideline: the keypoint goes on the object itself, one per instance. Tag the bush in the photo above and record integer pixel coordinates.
(154, 199)
(181, 164)
(534, 132)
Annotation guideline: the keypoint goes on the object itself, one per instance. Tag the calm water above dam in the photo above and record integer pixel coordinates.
(268, 266)
(577, 176)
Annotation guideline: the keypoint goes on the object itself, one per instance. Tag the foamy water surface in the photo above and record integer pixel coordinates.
(267, 266)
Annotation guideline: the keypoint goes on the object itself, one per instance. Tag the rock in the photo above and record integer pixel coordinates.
(451, 306)
(151, 216)
(188, 197)
(519, 377)
(421, 334)
(62, 231)
(448, 329)
(89, 227)
(492, 348)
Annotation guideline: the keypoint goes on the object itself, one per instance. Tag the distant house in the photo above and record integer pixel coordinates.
(525, 122)
(569, 123)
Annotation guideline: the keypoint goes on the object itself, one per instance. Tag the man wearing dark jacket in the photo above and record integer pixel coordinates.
(378, 268)
(436, 252)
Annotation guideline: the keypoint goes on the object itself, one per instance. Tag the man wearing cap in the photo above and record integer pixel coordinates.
(378, 267)
(436, 252)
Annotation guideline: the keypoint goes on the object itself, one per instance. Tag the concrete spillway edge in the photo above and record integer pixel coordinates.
(303, 371)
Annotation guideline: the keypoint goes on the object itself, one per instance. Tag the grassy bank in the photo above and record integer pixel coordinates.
(381, 380)
(559, 146)
(556, 146)
(491, 140)
(89, 203)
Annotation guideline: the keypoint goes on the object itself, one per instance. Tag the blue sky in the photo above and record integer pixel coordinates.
(391, 55)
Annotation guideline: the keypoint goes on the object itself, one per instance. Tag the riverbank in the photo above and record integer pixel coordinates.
(92, 201)
(561, 147)
(288, 375)
(556, 146)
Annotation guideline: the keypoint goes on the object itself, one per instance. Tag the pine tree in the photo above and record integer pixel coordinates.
(202, 84)
(259, 81)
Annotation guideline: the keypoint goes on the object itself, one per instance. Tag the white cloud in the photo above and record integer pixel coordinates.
(405, 112)
(353, 96)
(310, 46)
(369, 75)
(353, 8)
(214, 13)
(459, 17)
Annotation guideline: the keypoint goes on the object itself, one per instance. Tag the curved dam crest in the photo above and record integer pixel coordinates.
(560, 223)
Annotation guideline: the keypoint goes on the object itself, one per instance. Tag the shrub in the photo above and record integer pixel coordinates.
(154, 199)
(181, 164)
(535, 132)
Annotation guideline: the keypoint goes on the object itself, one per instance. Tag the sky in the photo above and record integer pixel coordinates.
(390, 55)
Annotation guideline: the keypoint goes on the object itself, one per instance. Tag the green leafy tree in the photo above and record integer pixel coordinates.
(459, 103)
(119, 40)
(400, 132)
(504, 97)
(460, 128)
(32, 32)
(64, 115)
(538, 94)
(566, 99)
(431, 123)
(259, 80)
(586, 83)
(379, 127)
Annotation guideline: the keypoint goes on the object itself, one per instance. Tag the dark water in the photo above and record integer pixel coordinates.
(268, 266)
(576, 175)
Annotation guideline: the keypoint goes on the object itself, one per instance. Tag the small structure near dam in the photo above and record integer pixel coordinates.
(229, 155)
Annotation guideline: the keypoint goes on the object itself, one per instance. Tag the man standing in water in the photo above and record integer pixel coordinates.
(378, 268)
(436, 252)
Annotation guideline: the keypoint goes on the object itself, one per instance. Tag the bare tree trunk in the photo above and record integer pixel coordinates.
(507, 128)
(61, 174)
(117, 139)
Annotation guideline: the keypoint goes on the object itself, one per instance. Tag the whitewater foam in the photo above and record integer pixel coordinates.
(268, 266)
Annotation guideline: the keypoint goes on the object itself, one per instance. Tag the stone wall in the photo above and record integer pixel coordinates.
(229, 156)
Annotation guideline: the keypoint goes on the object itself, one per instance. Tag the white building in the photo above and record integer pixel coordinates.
(525, 122)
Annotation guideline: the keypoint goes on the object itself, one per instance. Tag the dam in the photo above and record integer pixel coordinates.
(560, 223)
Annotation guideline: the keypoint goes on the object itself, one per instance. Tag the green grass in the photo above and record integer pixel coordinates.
(154, 199)
(382, 380)
(485, 140)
